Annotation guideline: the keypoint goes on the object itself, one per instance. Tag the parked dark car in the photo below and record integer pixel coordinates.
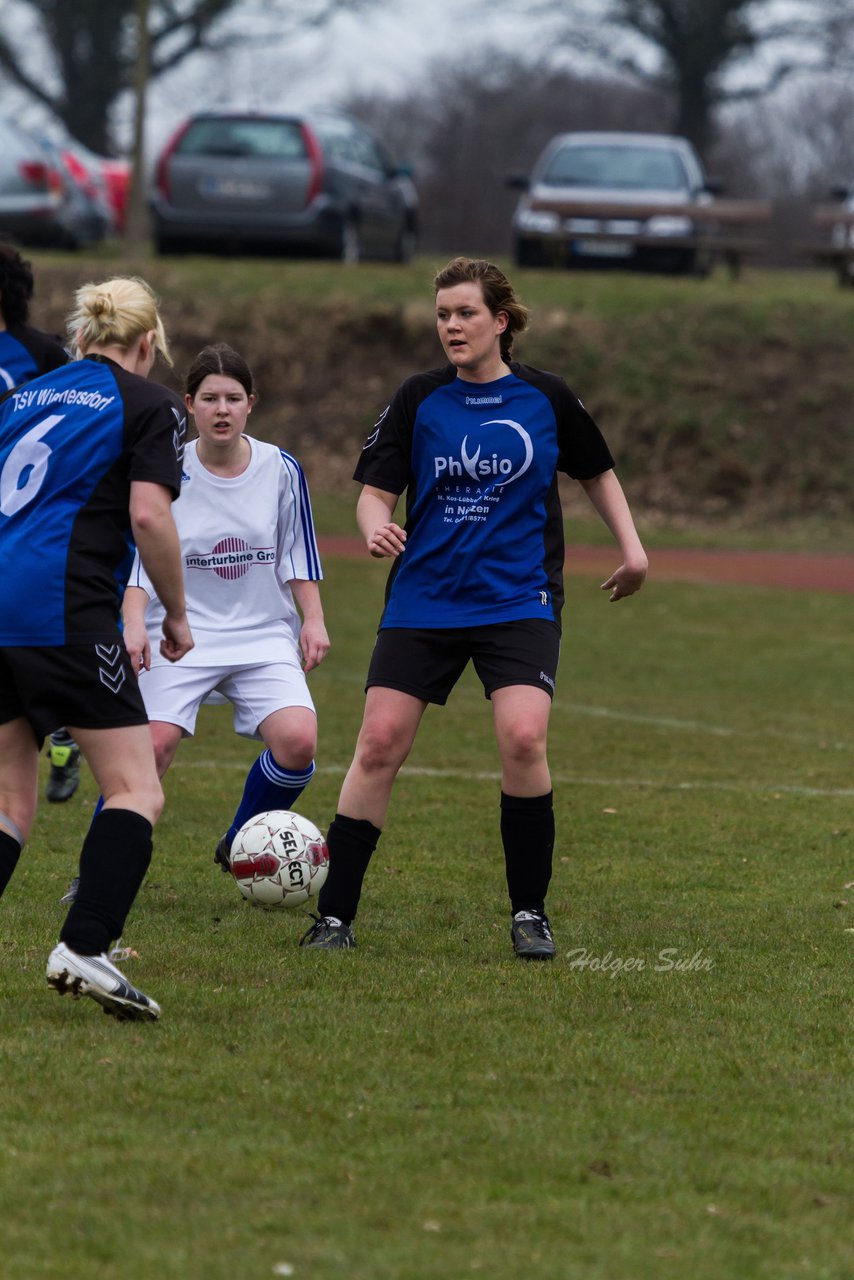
(40, 200)
(318, 184)
(30, 187)
(571, 212)
(86, 216)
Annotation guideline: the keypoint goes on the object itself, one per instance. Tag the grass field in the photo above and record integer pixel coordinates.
(670, 1098)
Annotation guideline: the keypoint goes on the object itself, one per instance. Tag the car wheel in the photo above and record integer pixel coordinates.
(529, 253)
(350, 245)
(164, 244)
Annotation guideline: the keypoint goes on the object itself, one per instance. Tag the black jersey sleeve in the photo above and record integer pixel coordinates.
(582, 451)
(386, 458)
(155, 432)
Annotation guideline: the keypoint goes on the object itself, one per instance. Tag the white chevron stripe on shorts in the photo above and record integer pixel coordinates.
(111, 673)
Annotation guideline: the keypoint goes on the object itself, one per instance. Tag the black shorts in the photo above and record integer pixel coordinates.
(87, 686)
(428, 663)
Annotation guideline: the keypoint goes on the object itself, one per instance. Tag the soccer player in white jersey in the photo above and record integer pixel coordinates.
(477, 575)
(251, 575)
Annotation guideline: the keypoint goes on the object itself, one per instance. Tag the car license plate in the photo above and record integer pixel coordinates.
(233, 189)
(603, 248)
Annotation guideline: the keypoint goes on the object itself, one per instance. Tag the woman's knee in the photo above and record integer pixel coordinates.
(294, 746)
(383, 745)
(164, 740)
(524, 743)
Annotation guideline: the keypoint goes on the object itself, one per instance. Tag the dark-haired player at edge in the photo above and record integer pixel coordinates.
(25, 353)
(89, 454)
(477, 576)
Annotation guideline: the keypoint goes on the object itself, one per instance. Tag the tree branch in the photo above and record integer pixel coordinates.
(9, 63)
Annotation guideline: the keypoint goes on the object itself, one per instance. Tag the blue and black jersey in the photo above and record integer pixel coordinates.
(479, 464)
(27, 353)
(71, 443)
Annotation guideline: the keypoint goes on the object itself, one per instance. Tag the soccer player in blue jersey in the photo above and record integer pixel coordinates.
(89, 453)
(477, 576)
(25, 353)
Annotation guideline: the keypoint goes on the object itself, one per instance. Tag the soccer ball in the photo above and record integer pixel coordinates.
(279, 859)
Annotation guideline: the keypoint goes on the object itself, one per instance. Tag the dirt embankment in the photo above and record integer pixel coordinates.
(711, 409)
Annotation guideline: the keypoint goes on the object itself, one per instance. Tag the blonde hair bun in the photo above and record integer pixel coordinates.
(114, 314)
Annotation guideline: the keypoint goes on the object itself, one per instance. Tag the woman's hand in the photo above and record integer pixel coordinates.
(313, 643)
(386, 540)
(628, 579)
(137, 644)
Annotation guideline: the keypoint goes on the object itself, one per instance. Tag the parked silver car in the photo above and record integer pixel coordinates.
(318, 184)
(41, 202)
(571, 212)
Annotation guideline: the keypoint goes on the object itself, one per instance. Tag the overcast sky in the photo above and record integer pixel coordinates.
(383, 51)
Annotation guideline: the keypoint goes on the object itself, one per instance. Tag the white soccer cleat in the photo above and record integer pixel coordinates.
(98, 977)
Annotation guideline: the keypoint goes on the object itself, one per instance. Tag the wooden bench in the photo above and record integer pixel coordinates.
(838, 256)
(723, 224)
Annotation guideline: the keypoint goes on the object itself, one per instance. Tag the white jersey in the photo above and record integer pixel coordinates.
(243, 538)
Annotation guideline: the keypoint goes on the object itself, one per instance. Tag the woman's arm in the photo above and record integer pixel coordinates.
(156, 539)
(313, 639)
(606, 494)
(374, 512)
(134, 629)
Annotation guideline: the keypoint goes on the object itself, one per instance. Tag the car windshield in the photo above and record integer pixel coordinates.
(628, 167)
(266, 139)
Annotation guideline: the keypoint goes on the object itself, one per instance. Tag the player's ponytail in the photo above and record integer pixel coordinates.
(114, 314)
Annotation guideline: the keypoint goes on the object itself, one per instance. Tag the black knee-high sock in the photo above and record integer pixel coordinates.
(351, 843)
(113, 863)
(10, 852)
(528, 835)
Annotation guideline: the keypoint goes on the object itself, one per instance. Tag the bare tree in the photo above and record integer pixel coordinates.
(135, 228)
(478, 118)
(703, 53)
(92, 47)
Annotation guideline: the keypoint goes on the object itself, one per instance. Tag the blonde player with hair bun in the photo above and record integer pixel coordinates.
(90, 456)
(115, 314)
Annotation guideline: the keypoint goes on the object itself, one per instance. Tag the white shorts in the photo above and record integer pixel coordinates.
(174, 693)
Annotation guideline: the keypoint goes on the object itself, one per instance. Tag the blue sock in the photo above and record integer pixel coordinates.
(268, 786)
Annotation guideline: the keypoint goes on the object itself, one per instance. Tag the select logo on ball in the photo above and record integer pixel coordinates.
(279, 859)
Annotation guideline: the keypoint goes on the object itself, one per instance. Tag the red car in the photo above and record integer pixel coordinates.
(116, 175)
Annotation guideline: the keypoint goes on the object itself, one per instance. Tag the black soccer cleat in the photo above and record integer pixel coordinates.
(70, 894)
(532, 936)
(64, 776)
(221, 853)
(328, 933)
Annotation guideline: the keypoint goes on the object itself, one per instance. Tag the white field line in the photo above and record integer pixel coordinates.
(679, 725)
(697, 726)
(489, 775)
